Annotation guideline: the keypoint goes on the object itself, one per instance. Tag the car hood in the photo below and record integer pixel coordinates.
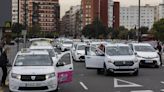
(34, 70)
(81, 52)
(147, 54)
(67, 45)
(122, 58)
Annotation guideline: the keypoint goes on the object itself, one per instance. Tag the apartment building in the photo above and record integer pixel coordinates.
(129, 16)
(14, 11)
(45, 13)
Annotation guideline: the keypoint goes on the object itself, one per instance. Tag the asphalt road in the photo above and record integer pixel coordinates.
(84, 80)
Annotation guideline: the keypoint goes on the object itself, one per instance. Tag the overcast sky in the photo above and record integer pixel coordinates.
(65, 4)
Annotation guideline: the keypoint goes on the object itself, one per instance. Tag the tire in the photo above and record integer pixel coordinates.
(106, 73)
(99, 71)
(156, 66)
(136, 73)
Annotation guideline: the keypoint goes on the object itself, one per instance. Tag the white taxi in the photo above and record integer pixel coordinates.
(146, 54)
(78, 52)
(36, 71)
(117, 58)
(66, 44)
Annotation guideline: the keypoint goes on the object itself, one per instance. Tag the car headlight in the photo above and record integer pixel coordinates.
(16, 76)
(78, 53)
(156, 56)
(110, 61)
(140, 56)
(135, 61)
(50, 75)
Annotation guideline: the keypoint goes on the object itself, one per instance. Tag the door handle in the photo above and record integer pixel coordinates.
(70, 68)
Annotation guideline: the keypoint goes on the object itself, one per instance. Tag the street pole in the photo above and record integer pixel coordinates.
(18, 28)
(25, 19)
(139, 31)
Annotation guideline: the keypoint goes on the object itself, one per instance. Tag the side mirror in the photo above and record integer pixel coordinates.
(60, 64)
(135, 53)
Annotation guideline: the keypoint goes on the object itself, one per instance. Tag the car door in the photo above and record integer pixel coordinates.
(94, 58)
(64, 68)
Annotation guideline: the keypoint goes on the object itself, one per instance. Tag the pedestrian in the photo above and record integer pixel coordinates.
(102, 47)
(3, 65)
(159, 48)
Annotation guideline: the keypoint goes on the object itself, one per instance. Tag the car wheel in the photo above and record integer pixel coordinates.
(156, 66)
(99, 71)
(135, 73)
(106, 73)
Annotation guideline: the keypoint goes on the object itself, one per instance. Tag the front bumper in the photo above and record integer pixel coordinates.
(122, 69)
(149, 62)
(79, 58)
(16, 85)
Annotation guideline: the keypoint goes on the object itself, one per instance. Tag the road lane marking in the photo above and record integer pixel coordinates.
(162, 82)
(143, 91)
(162, 90)
(83, 85)
(127, 83)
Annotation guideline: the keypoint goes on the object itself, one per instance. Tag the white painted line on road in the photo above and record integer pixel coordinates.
(83, 85)
(162, 82)
(162, 90)
(143, 91)
(127, 83)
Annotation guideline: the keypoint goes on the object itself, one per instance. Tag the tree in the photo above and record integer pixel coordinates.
(158, 27)
(144, 30)
(34, 31)
(95, 30)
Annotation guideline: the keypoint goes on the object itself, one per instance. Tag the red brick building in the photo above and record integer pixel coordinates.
(92, 9)
(116, 15)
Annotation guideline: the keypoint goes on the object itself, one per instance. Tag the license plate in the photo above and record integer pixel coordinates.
(148, 61)
(124, 67)
(33, 84)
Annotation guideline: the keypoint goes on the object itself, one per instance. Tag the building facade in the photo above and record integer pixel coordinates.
(14, 11)
(129, 16)
(116, 15)
(45, 13)
(92, 9)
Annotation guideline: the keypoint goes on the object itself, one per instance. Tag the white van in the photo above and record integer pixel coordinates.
(117, 58)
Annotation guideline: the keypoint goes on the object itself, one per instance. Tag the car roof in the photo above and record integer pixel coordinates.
(145, 44)
(32, 52)
(117, 44)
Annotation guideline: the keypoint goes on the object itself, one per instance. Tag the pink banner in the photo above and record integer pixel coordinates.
(65, 77)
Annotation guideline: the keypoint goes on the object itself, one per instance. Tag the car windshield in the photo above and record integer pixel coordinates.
(144, 48)
(33, 60)
(50, 51)
(118, 50)
(81, 47)
(68, 42)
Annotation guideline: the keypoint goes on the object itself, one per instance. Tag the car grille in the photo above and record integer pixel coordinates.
(33, 88)
(123, 63)
(33, 77)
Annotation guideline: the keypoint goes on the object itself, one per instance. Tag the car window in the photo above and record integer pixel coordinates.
(118, 50)
(144, 48)
(33, 60)
(66, 59)
(81, 47)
